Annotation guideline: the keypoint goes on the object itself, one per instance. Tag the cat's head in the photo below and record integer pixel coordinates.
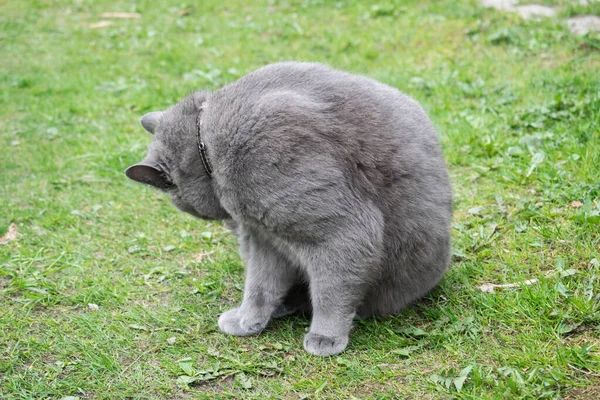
(173, 164)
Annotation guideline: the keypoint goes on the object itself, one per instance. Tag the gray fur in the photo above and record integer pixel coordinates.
(334, 184)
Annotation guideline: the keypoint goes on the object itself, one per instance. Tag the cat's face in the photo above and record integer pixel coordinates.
(173, 164)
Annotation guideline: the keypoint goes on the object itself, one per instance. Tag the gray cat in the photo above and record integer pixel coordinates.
(334, 184)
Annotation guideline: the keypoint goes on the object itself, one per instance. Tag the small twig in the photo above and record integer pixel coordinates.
(489, 287)
(166, 328)
(120, 15)
(229, 375)
(582, 371)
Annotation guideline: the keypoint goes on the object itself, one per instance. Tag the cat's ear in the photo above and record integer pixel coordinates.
(149, 173)
(150, 120)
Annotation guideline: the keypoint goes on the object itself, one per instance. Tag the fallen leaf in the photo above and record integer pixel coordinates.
(576, 204)
(475, 210)
(186, 380)
(200, 256)
(120, 15)
(244, 381)
(10, 235)
(343, 361)
(405, 352)
(462, 377)
(101, 24)
(187, 365)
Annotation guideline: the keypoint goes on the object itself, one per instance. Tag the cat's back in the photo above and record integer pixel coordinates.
(287, 125)
(317, 81)
(354, 110)
(353, 117)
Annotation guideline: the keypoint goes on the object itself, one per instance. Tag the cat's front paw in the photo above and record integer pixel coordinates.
(324, 345)
(233, 322)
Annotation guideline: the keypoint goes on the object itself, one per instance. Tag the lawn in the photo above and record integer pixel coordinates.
(107, 291)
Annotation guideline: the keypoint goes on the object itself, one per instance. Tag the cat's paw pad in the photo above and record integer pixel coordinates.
(324, 345)
(233, 323)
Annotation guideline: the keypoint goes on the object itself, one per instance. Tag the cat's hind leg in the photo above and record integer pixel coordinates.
(341, 271)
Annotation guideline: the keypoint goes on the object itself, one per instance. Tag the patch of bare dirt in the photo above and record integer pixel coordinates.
(584, 393)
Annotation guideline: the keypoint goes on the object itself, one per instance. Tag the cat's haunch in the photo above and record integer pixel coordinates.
(334, 184)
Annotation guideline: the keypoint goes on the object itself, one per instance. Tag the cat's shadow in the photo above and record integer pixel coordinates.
(409, 328)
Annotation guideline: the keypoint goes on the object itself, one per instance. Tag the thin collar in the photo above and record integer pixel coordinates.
(201, 145)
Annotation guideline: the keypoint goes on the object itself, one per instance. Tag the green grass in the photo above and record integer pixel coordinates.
(517, 104)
